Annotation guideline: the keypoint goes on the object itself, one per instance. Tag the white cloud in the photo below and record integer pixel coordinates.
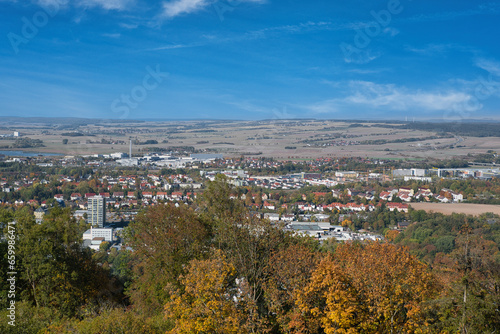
(115, 35)
(370, 95)
(104, 4)
(391, 31)
(490, 66)
(178, 7)
(360, 57)
(432, 49)
(396, 98)
(107, 4)
(175, 8)
(128, 25)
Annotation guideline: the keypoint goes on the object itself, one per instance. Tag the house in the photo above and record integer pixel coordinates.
(405, 197)
(400, 207)
(118, 194)
(451, 195)
(274, 217)
(403, 225)
(176, 195)
(319, 194)
(423, 193)
(406, 190)
(95, 243)
(268, 205)
(161, 195)
(355, 207)
(336, 193)
(385, 196)
(59, 197)
(33, 202)
(442, 199)
(75, 196)
(39, 213)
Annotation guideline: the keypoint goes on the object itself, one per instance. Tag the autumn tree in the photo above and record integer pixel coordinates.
(208, 301)
(247, 243)
(56, 271)
(289, 270)
(469, 304)
(372, 288)
(164, 238)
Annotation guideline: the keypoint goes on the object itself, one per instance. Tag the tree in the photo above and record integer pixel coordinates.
(164, 238)
(247, 243)
(65, 141)
(472, 293)
(372, 288)
(289, 270)
(56, 271)
(208, 299)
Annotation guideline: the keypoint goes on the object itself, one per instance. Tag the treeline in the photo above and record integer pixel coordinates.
(401, 140)
(27, 143)
(55, 277)
(457, 128)
(214, 268)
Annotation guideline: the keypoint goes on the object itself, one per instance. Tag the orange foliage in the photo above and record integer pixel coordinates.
(375, 288)
(208, 303)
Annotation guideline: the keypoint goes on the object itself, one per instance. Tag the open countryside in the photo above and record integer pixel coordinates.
(450, 208)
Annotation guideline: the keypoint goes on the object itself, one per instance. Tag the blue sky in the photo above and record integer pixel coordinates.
(250, 59)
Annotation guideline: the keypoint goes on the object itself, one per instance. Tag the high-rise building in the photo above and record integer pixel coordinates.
(96, 211)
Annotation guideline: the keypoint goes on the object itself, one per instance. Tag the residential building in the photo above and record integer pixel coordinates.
(96, 211)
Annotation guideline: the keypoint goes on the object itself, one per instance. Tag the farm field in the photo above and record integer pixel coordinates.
(449, 208)
(280, 139)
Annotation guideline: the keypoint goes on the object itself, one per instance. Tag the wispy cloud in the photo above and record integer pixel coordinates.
(369, 95)
(108, 4)
(439, 49)
(176, 46)
(116, 35)
(178, 7)
(362, 57)
(391, 31)
(119, 5)
(490, 66)
(175, 8)
(368, 71)
(393, 97)
(128, 25)
(488, 8)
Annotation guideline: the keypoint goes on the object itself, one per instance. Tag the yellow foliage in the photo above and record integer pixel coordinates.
(376, 288)
(208, 303)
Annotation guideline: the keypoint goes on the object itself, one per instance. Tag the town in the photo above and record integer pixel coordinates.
(329, 204)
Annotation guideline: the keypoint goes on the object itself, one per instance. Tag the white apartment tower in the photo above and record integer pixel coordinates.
(96, 212)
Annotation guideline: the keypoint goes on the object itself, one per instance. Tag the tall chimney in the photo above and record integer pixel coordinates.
(130, 149)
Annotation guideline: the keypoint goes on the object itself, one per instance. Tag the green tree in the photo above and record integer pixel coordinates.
(56, 271)
(164, 239)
